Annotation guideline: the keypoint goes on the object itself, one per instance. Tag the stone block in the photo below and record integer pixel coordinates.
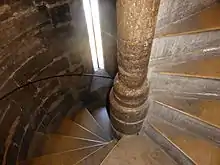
(7, 120)
(24, 145)
(54, 68)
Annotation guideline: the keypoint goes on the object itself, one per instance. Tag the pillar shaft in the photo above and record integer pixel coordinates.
(129, 96)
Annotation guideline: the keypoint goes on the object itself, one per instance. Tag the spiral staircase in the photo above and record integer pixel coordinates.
(183, 121)
(84, 137)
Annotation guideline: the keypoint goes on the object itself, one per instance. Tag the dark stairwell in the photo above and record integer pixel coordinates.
(54, 108)
(47, 74)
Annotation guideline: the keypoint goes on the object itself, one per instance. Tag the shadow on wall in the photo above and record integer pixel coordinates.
(36, 107)
(107, 11)
(109, 34)
(32, 49)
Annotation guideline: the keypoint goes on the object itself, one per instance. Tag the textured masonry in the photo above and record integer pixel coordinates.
(129, 97)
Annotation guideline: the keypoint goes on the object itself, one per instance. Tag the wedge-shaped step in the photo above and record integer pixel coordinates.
(70, 128)
(53, 143)
(99, 155)
(137, 150)
(206, 67)
(200, 151)
(64, 158)
(206, 20)
(86, 120)
(205, 110)
(198, 115)
(184, 86)
(102, 117)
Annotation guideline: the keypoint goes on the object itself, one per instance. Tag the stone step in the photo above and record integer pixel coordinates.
(195, 114)
(206, 110)
(185, 147)
(70, 128)
(205, 20)
(97, 157)
(102, 117)
(86, 120)
(173, 11)
(92, 100)
(64, 158)
(206, 67)
(138, 150)
(178, 49)
(184, 86)
(45, 144)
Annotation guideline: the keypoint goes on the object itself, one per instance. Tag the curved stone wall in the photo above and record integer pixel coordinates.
(31, 50)
(34, 56)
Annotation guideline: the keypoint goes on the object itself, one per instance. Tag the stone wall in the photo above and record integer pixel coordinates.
(33, 58)
(32, 108)
(109, 34)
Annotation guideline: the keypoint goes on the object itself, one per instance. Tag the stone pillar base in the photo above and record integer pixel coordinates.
(126, 120)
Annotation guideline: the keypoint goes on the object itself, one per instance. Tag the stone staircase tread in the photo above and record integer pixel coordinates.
(70, 128)
(200, 22)
(206, 67)
(99, 155)
(55, 143)
(102, 118)
(205, 110)
(197, 149)
(187, 113)
(177, 49)
(64, 158)
(184, 86)
(86, 120)
(139, 150)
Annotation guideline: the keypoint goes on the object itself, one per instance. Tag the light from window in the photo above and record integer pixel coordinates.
(91, 9)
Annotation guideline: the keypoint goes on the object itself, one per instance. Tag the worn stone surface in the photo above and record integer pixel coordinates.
(30, 49)
(34, 53)
(68, 158)
(199, 116)
(172, 11)
(181, 86)
(53, 143)
(197, 23)
(137, 150)
(70, 128)
(168, 146)
(172, 50)
(184, 82)
(98, 156)
(191, 145)
(204, 67)
(5, 12)
(36, 109)
(136, 22)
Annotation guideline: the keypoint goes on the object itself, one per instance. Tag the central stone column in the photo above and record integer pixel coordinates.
(136, 21)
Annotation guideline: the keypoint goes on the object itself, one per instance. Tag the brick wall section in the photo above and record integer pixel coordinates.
(31, 50)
